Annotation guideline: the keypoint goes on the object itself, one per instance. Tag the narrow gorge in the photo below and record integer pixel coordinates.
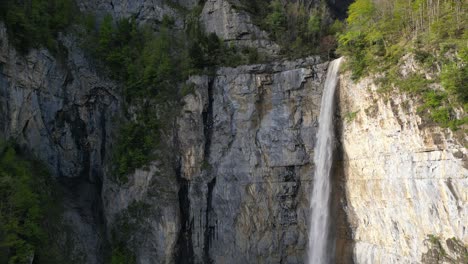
(229, 131)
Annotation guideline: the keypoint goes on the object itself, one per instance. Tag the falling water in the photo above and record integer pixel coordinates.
(319, 252)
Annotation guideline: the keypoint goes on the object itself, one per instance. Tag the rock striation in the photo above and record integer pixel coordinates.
(244, 141)
(234, 181)
(235, 26)
(248, 181)
(149, 12)
(405, 179)
(61, 110)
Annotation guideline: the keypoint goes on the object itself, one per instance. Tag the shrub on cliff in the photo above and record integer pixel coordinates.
(35, 23)
(378, 34)
(29, 210)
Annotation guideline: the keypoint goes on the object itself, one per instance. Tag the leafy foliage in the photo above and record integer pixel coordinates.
(150, 66)
(379, 33)
(454, 79)
(153, 67)
(36, 23)
(122, 255)
(29, 211)
(124, 233)
(299, 29)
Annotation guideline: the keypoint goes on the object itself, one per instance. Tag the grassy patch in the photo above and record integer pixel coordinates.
(350, 116)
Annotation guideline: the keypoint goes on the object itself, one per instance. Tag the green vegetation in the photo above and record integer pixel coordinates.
(124, 232)
(379, 34)
(29, 211)
(205, 165)
(153, 68)
(454, 79)
(435, 244)
(457, 250)
(36, 23)
(298, 29)
(350, 116)
(122, 255)
(150, 66)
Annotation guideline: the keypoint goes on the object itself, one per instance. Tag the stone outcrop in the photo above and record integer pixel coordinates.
(234, 179)
(231, 24)
(149, 12)
(235, 26)
(57, 107)
(248, 181)
(244, 141)
(406, 180)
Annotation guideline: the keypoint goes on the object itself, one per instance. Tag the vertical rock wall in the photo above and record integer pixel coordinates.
(404, 178)
(248, 172)
(57, 107)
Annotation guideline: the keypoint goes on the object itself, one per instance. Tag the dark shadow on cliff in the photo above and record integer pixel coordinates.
(339, 8)
(341, 226)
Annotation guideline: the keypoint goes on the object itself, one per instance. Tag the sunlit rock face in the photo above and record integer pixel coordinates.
(404, 178)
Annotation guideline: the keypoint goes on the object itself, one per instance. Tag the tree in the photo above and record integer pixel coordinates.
(276, 20)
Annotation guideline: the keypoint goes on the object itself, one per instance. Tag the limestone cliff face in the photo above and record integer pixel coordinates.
(244, 141)
(144, 11)
(404, 178)
(235, 26)
(57, 107)
(218, 16)
(234, 179)
(248, 182)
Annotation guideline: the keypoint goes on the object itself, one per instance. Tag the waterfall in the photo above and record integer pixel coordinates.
(319, 248)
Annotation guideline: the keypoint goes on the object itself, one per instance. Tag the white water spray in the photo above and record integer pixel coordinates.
(319, 249)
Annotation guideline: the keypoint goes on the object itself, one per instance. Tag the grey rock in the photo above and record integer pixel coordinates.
(61, 111)
(235, 26)
(249, 168)
(149, 12)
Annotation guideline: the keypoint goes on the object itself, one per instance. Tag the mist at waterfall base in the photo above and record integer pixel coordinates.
(320, 251)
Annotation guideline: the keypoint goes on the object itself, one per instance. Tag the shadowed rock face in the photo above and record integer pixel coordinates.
(149, 12)
(339, 8)
(249, 171)
(239, 171)
(61, 111)
(244, 141)
(235, 26)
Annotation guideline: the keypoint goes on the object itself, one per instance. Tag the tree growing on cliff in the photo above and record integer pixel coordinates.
(28, 212)
(35, 23)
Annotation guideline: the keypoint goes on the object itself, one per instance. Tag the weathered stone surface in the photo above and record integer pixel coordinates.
(61, 111)
(235, 26)
(145, 11)
(155, 191)
(248, 171)
(404, 179)
(234, 184)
